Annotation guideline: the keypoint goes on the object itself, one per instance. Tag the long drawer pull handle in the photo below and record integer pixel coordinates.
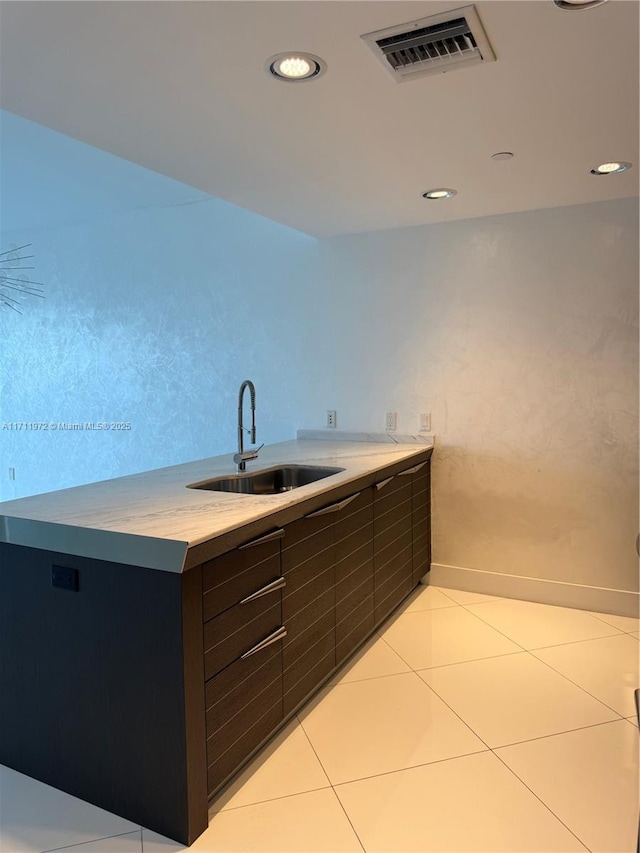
(383, 483)
(269, 537)
(333, 507)
(278, 583)
(412, 470)
(278, 634)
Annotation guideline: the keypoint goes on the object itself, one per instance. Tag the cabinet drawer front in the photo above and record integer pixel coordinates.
(238, 629)
(247, 707)
(235, 575)
(236, 697)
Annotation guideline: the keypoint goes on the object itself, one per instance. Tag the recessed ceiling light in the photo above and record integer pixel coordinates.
(574, 5)
(295, 67)
(441, 192)
(610, 168)
(502, 155)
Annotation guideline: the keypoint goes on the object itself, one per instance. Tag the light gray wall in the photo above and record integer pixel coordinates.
(519, 334)
(152, 317)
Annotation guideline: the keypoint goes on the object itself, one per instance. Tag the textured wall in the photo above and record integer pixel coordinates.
(152, 317)
(519, 334)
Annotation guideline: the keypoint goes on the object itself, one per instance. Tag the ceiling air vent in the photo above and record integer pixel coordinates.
(432, 45)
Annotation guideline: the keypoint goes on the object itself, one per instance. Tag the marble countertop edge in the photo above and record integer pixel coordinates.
(151, 519)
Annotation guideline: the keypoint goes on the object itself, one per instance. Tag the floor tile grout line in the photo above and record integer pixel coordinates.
(367, 678)
(453, 711)
(271, 799)
(306, 734)
(331, 785)
(470, 660)
(528, 740)
(584, 640)
(346, 814)
(411, 767)
(558, 734)
(597, 616)
(584, 690)
(443, 590)
(542, 802)
(94, 840)
(489, 625)
(295, 793)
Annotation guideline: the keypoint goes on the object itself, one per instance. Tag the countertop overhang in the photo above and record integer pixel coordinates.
(154, 521)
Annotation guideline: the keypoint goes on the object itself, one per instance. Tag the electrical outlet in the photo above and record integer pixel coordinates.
(12, 473)
(425, 422)
(391, 420)
(331, 418)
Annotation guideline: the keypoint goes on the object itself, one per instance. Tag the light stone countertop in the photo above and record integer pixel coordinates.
(151, 519)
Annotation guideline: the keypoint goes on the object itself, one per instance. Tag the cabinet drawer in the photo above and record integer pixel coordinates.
(239, 629)
(235, 575)
(244, 704)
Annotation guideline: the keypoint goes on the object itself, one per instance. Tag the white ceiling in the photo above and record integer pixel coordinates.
(180, 88)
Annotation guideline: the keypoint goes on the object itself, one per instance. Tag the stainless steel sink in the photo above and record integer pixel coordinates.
(270, 481)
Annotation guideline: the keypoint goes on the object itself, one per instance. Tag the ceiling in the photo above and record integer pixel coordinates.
(180, 88)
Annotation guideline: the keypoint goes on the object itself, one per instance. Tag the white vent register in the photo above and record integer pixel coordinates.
(432, 45)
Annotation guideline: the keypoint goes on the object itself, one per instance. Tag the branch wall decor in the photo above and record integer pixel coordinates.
(15, 286)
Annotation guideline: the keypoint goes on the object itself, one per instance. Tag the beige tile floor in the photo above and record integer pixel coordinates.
(468, 723)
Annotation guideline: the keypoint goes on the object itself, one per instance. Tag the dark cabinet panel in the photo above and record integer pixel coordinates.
(308, 606)
(421, 521)
(244, 704)
(189, 674)
(392, 544)
(237, 630)
(239, 573)
(353, 549)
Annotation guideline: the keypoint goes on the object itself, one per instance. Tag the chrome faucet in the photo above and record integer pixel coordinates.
(241, 457)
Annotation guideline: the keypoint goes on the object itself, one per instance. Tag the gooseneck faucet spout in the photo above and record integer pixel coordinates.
(241, 457)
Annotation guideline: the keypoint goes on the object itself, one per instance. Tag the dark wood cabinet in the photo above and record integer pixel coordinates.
(323, 565)
(353, 547)
(392, 543)
(189, 674)
(421, 520)
(244, 705)
(243, 634)
(308, 605)
(328, 579)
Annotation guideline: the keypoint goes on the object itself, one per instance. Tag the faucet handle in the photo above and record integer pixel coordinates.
(246, 455)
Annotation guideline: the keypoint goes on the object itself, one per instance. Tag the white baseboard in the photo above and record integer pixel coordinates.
(622, 602)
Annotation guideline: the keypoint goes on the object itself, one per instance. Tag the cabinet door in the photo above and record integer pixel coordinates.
(308, 607)
(243, 633)
(392, 543)
(421, 520)
(353, 550)
(243, 706)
